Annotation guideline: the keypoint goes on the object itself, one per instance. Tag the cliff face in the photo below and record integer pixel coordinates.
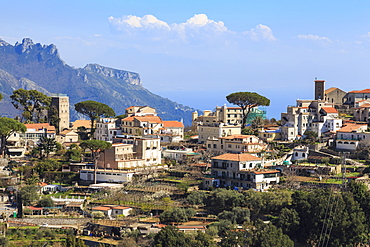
(35, 66)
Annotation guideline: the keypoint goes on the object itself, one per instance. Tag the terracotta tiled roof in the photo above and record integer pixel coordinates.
(151, 119)
(121, 207)
(365, 106)
(360, 91)
(102, 208)
(266, 171)
(236, 157)
(329, 110)
(351, 127)
(128, 118)
(173, 124)
(82, 123)
(39, 126)
(330, 90)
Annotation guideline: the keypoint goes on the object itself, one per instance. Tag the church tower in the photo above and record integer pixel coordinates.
(319, 89)
(61, 103)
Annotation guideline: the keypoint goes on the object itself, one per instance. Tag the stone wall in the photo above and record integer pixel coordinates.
(53, 221)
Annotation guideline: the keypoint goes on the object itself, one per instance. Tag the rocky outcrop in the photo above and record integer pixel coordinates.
(35, 66)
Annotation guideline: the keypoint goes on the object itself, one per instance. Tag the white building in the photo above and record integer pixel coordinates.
(351, 135)
(300, 153)
(313, 115)
(107, 129)
(102, 175)
(236, 144)
(240, 170)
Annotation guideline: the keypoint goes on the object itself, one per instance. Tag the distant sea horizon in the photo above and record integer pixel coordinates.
(208, 100)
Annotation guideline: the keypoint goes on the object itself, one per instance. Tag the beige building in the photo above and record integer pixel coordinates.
(224, 114)
(216, 130)
(61, 103)
(140, 111)
(67, 136)
(236, 144)
(142, 125)
(131, 154)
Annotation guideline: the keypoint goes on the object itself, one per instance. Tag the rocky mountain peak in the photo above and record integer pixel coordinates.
(130, 77)
(4, 43)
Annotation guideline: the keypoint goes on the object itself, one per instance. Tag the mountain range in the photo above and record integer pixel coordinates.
(34, 66)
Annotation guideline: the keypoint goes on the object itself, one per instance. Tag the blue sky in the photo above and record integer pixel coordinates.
(197, 52)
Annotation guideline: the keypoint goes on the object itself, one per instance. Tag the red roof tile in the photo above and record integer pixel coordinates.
(329, 110)
(102, 208)
(360, 91)
(236, 157)
(173, 124)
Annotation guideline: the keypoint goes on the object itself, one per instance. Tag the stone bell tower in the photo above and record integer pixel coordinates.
(319, 89)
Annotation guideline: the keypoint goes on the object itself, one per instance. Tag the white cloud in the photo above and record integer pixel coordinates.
(261, 32)
(314, 38)
(198, 27)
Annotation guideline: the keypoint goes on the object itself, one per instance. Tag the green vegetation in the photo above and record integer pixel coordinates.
(246, 101)
(8, 127)
(32, 103)
(94, 110)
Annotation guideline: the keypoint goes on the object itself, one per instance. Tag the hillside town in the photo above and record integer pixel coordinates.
(232, 178)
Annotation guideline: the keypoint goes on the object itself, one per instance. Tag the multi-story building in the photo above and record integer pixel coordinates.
(355, 96)
(236, 144)
(131, 154)
(107, 129)
(227, 115)
(60, 102)
(319, 115)
(142, 125)
(216, 130)
(240, 170)
(362, 111)
(351, 135)
(140, 111)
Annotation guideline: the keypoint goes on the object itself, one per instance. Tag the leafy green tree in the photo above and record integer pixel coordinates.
(8, 127)
(54, 118)
(94, 110)
(246, 101)
(269, 235)
(45, 146)
(96, 147)
(310, 135)
(46, 202)
(329, 218)
(201, 239)
(222, 199)
(1, 97)
(73, 153)
(72, 241)
(288, 220)
(237, 215)
(196, 198)
(28, 194)
(32, 103)
(177, 215)
(223, 226)
(170, 236)
(46, 166)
